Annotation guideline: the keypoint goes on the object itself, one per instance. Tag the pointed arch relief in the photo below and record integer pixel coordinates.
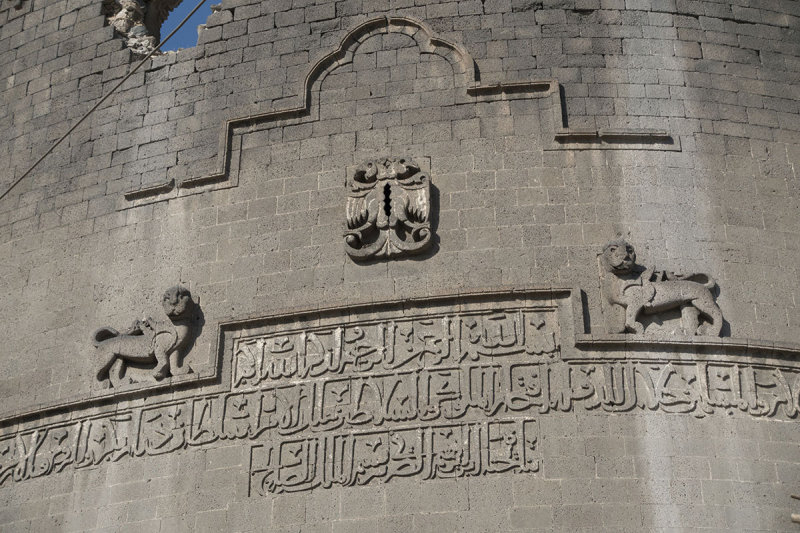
(468, 89)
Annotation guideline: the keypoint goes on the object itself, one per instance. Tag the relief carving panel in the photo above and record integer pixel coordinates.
(481, 418)
(150, 350)
(388, 210)
(431, 452)
(644, 291)
(428, 342)
(431, 392)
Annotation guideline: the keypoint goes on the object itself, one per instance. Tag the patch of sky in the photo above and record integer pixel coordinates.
(186, 37)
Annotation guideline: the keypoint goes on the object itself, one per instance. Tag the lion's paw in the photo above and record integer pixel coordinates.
(635, 327)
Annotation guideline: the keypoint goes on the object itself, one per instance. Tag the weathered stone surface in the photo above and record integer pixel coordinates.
(128, 18)
(545, 128)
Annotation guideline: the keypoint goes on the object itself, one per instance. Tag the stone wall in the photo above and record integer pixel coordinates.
(546, 128)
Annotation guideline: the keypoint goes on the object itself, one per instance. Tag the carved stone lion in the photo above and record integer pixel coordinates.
(645, 291)
(151, 344)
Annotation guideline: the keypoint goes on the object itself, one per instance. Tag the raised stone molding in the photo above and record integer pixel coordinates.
(468, 89)
(628, 346)
(617, 139)
(427, 42)
(155, 190)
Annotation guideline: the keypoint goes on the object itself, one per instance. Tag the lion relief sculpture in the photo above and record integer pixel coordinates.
(647, 291)
(151, 349)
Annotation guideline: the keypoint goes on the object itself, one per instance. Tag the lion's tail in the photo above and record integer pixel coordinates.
(103, 334)
(703, 279)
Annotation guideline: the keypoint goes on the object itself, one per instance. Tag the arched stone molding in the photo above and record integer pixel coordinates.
(427, 43)
(468, 89)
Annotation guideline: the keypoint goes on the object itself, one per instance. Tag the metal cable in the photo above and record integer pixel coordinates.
(103, 99)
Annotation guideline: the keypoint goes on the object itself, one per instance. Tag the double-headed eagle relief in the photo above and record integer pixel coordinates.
(388, 210)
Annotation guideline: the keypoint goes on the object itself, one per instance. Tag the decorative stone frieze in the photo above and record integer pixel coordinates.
(388, 210)
(426, 390)
(640, 290)
(150, 350)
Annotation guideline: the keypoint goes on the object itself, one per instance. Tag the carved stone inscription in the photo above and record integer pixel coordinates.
(323, 390)
(439, 451)
(490, 408)
(404, 344)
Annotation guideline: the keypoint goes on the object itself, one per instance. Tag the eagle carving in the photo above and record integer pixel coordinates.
(388, 210)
